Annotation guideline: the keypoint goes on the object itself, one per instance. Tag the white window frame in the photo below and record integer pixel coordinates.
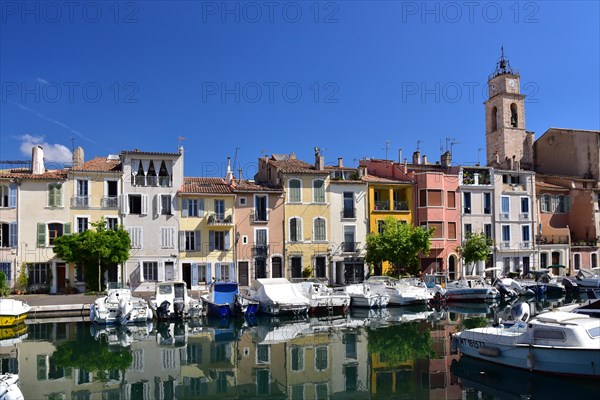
(576, 256)
(289, 196)
(503, 238)
(76, 222)
(314, 231)
(160, 204)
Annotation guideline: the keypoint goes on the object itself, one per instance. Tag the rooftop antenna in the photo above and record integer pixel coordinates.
(72, 145)
(235, 157)
(441, 147)
(387, 146)
(478, 151)
(452, 143)
(179, 140)
(449, 139)
(419, 144)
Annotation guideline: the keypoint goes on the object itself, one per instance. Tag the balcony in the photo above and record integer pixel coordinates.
(110, 202)
(219, 219)
(350, 247)
(382, 205)
(400, 206)
(505, 245)
(80, 201)
(504, 217)
(260, 216)
(348, 213)
(552, 239)
(260, 251)
(525, 245)
(523, 216)
(151, 180)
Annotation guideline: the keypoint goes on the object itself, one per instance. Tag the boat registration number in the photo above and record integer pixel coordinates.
(471, 343)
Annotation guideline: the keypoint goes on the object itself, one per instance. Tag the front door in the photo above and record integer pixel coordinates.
(277, 270)
(169, 271)
(243, 266)
(60, 278)
(187, 274)
(113, 273)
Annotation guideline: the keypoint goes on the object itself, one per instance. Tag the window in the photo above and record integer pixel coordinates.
(319, 234)
(219, 210)
(380, 226)
(165, 204)
(295, 191)
(167, 237)
(514, 117)
(321, 391)
(505, 200)
(54, 231)
(487, 229)
(544, 260)
(192, 207)
(135, 204)
(320, 267)
(242, 201)
(468, 228)
(467, 202)
(38, 273)
(487, 203)
(297, 358)
(451, 199)
(82, 198)
(224, 272)
(348, 211)
(189, 241)
(506, 233)
(55, 195)
(452, 230)
(6, 268)
(546, 334)
(438, 232)
(82, 224)
(297, 392)
(8, 234)
(163, 175)
(430, 198)
(321, 358)
(349, 239)
(136, 236)
(219, 240)
(576, 261)
(319, 191)
(525, 204)
(556, 203)
(525, 238)
(545, 200)
(494, 118)
(260, 208)
(594, 260)
(263, 353)
(296, 267)
(150, 270)
(112, 222)
(295, 230)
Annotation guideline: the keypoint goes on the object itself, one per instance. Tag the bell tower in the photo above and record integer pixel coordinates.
(508, 145)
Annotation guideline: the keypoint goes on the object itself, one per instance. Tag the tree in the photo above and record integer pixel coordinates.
(94, 250)
(475, 247)
(397, 344)
(399, 243)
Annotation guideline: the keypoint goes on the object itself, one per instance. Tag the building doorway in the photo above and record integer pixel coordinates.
(243, 267)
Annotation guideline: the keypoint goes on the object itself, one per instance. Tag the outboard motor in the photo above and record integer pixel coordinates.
(162, 311)
(520, 312)
(501, 288)
(178, 309)
(570, 286)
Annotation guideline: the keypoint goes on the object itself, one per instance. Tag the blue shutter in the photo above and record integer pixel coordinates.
(181, 241)
(227, 241)
(184, 208)
(218, 271)
(232, 276)
(211, 240)
(201, 208)
(194, 274)
(208, 273)
(198, 242)
(12, 234)
(12, 196)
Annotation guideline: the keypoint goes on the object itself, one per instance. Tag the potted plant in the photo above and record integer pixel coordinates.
(22, 280)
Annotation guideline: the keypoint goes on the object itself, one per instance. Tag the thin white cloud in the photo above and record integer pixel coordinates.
(42, 81)
(52, 152)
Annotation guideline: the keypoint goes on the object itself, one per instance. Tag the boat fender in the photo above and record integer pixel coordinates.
(489, 351)
(92, 313)
(453, 345)
(530, 360)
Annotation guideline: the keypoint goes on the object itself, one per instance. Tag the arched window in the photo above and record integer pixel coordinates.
(514, 118)
(319, 231)
(494, 117)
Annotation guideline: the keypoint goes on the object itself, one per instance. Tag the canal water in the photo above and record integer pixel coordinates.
(398, 353)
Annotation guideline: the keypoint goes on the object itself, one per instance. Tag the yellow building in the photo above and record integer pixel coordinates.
(391, 194)
(206, 231)
(306, 212)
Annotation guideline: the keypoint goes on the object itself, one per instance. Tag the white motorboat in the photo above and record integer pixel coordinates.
(172, 301)
(119, 307)
(468, 289)
(323, 298)
(9, 387)
(587, 279)
(277, 296)
(554, 342)
(402, 292)
(121, 336)
(12, 312)
(363, 295)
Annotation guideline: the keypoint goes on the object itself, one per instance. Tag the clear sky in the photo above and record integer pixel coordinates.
(275, 77)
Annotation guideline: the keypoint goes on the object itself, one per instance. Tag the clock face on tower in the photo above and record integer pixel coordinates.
(511, 83)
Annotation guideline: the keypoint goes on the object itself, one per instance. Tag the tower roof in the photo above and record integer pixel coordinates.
(503, 67)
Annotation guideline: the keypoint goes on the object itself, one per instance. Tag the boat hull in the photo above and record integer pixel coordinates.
(218, 310)
(11, 320)
(471, 295)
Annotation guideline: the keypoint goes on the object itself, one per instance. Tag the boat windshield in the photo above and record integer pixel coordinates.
(594, 332)
(165, 289)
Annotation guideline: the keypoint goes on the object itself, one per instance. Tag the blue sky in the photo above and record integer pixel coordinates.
(275, 76)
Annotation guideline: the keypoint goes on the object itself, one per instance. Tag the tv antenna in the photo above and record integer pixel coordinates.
(478, 151)
(452, 143)
(387, 146)
(449, 139)
(419, 144)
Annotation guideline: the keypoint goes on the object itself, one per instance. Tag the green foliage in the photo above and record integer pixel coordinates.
(23, 278)
(398, 344)
(400, 244)
(307, 272)
(92, 356)
(475, 247)
(95, 246)
(474, 322)
(4, 289)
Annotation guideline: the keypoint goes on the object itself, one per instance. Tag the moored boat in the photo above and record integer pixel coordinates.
(402, 292)
(554, 342)
(322, 298)
(9, 387)
(223, 301)
(277, 296)
(119, 306)
(363, 295)
(172, 301)
(12, 311)
(469, 289)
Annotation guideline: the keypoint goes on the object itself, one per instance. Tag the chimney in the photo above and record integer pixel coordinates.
(399, 155)
(78, 157)
(424, 159)
(292, 156)
(340, 162)
(416, 159)
(319, 160)
(240, 177)
(446, 159)
(362, 171)
(229, 174)
(37, 160)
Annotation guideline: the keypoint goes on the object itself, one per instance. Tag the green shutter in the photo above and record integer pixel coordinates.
(41, 236)
(67, 228)
(58, 195)
(50, 196)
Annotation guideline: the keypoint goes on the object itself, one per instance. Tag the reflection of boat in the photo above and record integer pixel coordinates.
(271, 334)
(468, 289)
(173, 334)
(553, 342)
(223, 299)
(470, 308)
(122, 336)
(501, 382)
(322, 298)
(9, 387)
(12, 311)
(408, 315)
(119, 306)
(402, 292)
(11, 335)
(363, 295)
(171, 301)
(277, 296)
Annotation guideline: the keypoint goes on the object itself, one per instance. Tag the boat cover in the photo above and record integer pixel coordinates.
(277, 290)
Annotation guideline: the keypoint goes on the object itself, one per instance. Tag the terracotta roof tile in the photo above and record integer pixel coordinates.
(100, 164)
(379, 179)
(295, 166)
(549, 186)
(199, 185)
(252, 186)
(149, 153)
(22, 173)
